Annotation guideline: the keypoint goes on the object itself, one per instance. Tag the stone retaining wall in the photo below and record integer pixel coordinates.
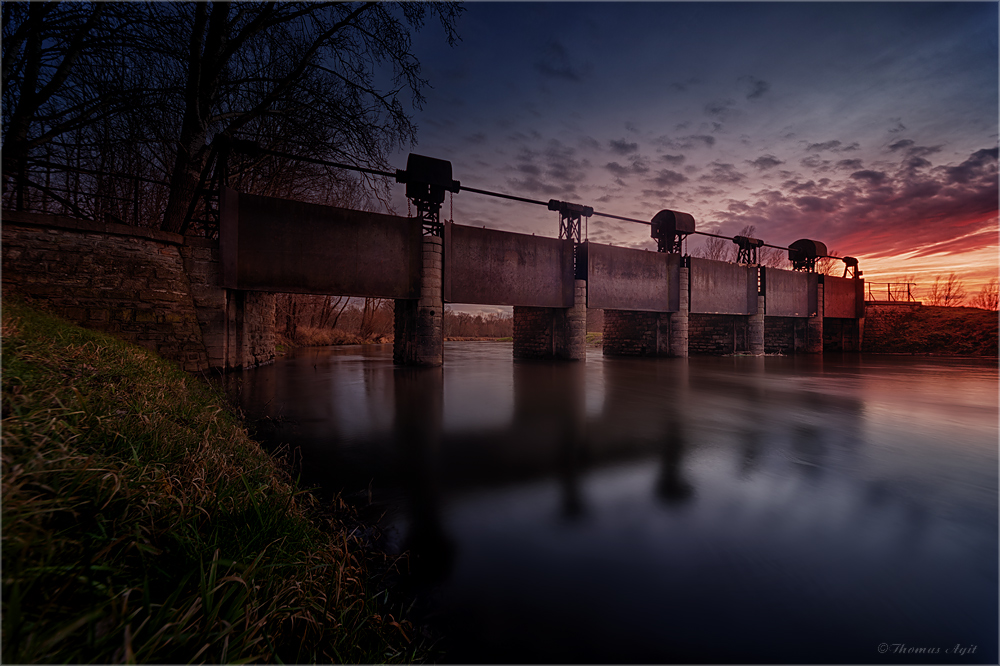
(150, 287)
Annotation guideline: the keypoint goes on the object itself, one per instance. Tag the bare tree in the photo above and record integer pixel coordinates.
(831, 264)
(67, 66)
(156, 83)
(312, 64)
(948, 292)
(717, 249)
(904, 289)
(988, 297)
(772, 257)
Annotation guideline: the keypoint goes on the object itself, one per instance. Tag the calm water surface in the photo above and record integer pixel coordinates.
(780, 509)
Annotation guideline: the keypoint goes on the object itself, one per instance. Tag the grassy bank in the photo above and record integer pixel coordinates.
(141, 523)
(933, 330)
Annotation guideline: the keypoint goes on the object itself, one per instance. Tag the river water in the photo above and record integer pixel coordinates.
(841, 509)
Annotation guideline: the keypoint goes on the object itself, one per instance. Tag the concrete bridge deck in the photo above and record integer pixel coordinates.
(654, 302)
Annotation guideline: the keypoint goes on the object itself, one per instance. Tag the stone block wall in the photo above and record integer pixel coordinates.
(781, 333)
(881, 323)
(258, 329)
(841, 334)
(203, 268)
(717, 334)
(553, 333)
(533, 332)
(636, 333)
(150, 287)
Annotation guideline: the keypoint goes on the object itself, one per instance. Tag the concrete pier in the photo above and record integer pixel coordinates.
(679, 319)
(553, 333)
(419, 324)
(755, 331)
(814, 325)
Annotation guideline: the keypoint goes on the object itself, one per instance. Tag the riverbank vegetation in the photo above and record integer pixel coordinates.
(141, 523)
(935, 330)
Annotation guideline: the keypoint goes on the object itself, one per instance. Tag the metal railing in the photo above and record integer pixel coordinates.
(62, 189)
(894, 291)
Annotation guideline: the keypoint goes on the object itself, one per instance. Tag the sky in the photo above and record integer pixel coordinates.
(871, 127)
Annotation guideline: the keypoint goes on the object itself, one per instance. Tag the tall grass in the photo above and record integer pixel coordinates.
(142, 524)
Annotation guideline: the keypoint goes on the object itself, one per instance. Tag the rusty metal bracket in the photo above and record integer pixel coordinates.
(427, 179)
(746, 250)
(570, 215)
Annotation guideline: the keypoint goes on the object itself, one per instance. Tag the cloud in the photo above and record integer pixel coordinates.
(672, 159)
(554, 171)
(872, 177)
(721, 109)
(828, 145)
(685, 142)
(816, 162)
(976, 166)
(897, 127)
(623, 147)
(853, 164)
(555, 63)
(638, 167)
(755, 87)
(765, 162)
(668, 178)
(681, 86)
(899, 145)
(834, 146)
(883, 214)
(723, 174)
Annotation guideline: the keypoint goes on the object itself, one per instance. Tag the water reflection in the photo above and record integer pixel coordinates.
(417, 428)
(666, 510)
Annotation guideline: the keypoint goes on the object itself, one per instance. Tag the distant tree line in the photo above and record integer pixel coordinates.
(111, 109)
(304, 319)
(467, 325)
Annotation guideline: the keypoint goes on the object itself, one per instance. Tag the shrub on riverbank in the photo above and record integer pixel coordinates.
(141, 523)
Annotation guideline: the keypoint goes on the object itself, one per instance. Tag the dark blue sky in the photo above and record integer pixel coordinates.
(869, 126)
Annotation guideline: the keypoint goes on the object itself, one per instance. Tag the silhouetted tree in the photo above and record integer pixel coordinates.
(949, 291)
(67, 66)
(717, 249)
(159, 81)
(831, 264)
(988, 297)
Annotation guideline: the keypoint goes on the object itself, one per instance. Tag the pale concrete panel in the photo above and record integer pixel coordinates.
(840, 297)
(789, 293)
(490, 267)
(620, 278)
(718, 287)
(278, 245)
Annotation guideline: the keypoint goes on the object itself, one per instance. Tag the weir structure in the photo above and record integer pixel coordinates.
(207, 300)
(656, 303)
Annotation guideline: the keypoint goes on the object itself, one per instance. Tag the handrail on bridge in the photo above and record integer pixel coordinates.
(894, 291)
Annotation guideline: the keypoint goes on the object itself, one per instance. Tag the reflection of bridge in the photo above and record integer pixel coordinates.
(656, 303)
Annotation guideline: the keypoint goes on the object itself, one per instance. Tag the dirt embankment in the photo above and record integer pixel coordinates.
(930, 329)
